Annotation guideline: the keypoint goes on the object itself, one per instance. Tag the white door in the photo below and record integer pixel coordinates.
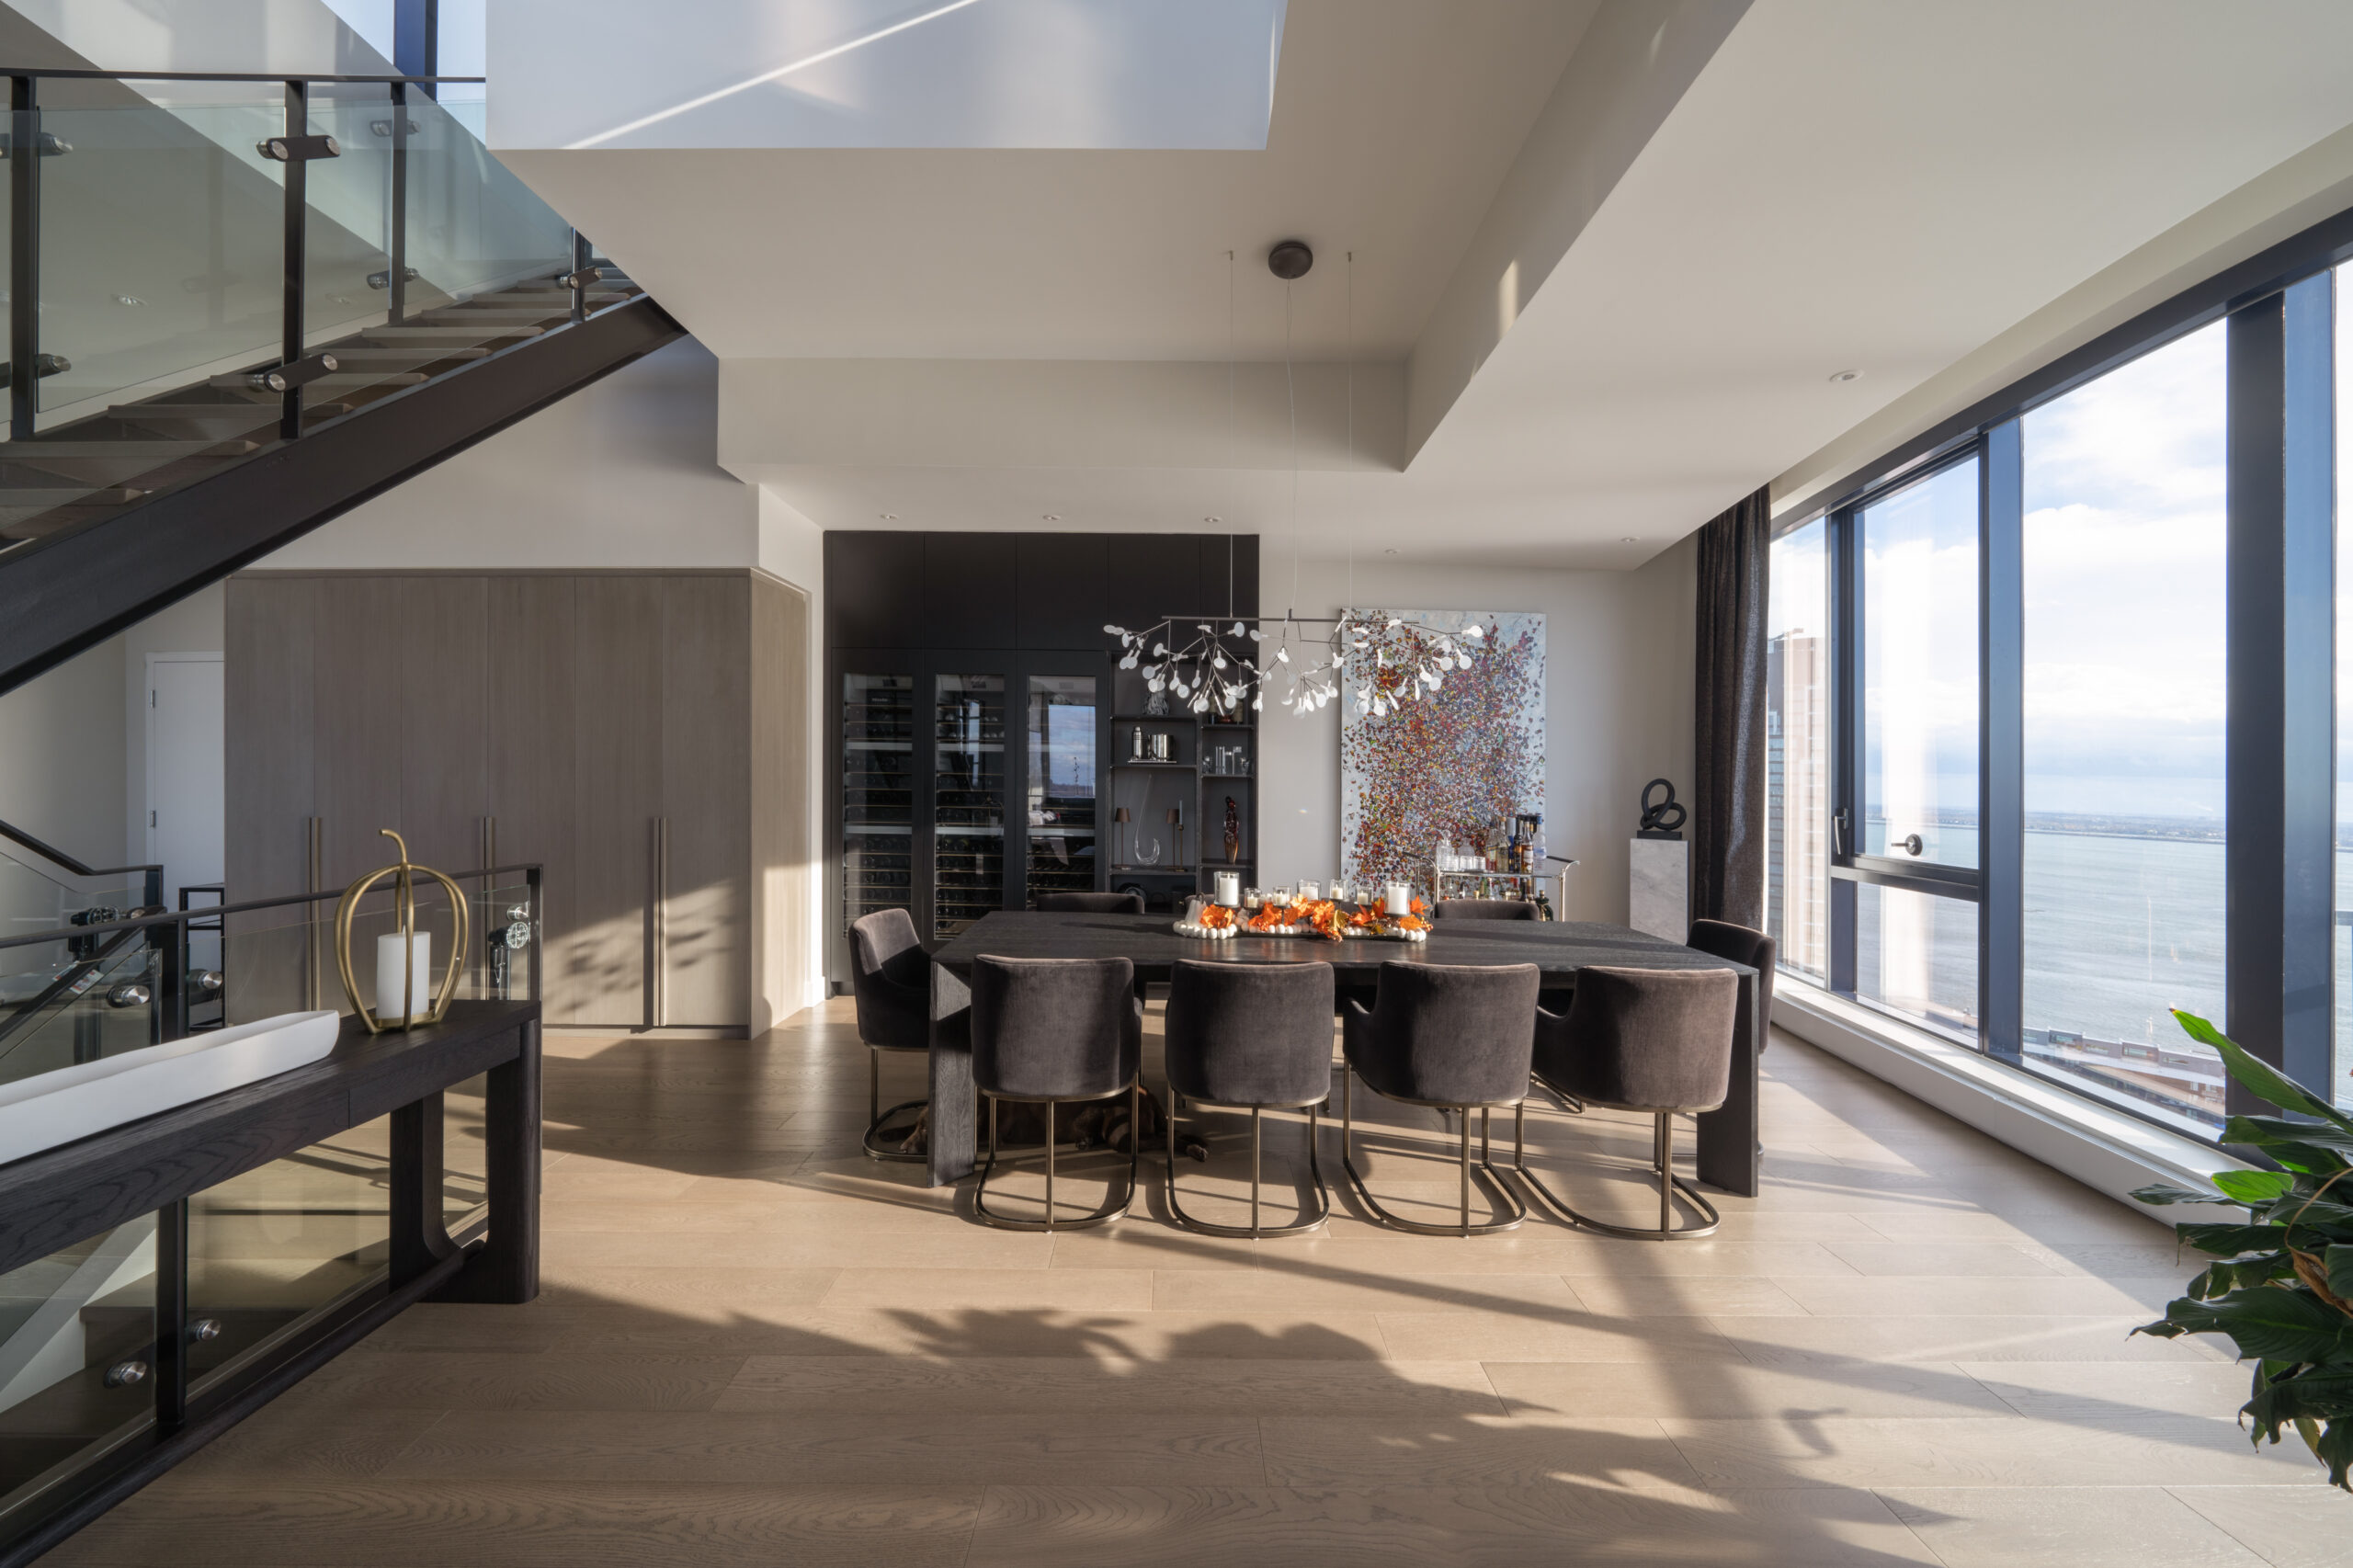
(185, 786)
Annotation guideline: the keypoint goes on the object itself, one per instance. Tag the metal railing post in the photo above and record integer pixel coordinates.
(24, 257)
(398, 282)
(531, 899)
(580, 256)
(298, 124)
(171, 1316)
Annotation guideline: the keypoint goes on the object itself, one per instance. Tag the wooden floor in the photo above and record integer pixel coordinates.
(756, 1346)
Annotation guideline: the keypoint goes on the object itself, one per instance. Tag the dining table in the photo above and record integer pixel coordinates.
(1728, 1152)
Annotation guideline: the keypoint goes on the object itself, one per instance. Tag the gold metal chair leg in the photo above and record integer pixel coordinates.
(1670, 1187)
(876, 1144)
(1508, 1207)
(1111, 1210)
(1309, 1220)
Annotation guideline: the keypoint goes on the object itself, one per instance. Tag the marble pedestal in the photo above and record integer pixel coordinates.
(1658, 887)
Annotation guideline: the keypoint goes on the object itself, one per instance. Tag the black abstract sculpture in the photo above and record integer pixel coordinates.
(1664, 819)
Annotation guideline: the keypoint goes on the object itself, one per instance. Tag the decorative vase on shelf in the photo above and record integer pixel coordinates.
(1147, 852)
(1232, 832)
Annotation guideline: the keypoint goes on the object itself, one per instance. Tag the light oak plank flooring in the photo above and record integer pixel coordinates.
(753, 1346)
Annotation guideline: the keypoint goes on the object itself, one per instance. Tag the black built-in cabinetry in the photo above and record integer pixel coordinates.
(980, 737)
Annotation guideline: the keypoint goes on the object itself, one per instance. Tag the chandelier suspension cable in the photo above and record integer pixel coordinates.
(1230, 453)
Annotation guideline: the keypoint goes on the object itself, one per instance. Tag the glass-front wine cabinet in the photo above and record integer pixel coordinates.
(877, 793)
(965, 783)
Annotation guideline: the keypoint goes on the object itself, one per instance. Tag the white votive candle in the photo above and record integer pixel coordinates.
(1229, 888)
(389, 1007)
(1394, 897)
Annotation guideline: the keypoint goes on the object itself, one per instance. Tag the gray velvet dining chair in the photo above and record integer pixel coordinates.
(1046, 1032)
(890, 979)
(1254, 1037)
(1742, 944)
(1090, 903)
(1483, 909)
(1652, 1040)
(1455, 1037)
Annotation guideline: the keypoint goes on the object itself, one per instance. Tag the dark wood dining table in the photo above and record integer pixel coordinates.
(1727, 1144)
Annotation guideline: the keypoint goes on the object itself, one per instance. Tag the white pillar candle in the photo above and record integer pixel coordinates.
(1229, 888)
(389, 1008)
(1394, 899)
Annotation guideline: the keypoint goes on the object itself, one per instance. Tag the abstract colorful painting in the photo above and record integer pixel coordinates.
(1457, 765)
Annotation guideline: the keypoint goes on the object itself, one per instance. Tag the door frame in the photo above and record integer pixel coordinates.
(148, 718)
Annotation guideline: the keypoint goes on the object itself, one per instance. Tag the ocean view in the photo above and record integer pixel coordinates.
(2122, 924)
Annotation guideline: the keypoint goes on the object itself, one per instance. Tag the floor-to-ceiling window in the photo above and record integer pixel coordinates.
(1916, 549)
(1797, 725)
(2124, 549)
(2341, 1070)
(2055, 664)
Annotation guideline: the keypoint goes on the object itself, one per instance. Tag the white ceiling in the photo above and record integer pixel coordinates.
(1847, 183)
(1394, 124)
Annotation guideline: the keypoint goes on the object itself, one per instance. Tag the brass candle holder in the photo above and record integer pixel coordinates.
(404, 875)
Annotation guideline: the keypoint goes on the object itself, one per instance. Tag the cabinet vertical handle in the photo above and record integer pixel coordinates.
(313, 876)
(658, 918)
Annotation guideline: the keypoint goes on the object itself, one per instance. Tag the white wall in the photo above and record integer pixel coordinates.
(60, 771)
(621, 473)
(1617, 707)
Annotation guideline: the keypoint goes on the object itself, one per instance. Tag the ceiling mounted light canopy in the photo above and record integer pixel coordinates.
(1290, 260)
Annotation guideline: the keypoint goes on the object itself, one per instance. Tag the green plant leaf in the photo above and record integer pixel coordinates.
(2291, 1325)
(2162, 1194)
(2258, 1129)
(2339, 1259)
(2316, 1396)
(2230, 1240)
(2335, 1450)
(2254, 1187)
(2265, 1080)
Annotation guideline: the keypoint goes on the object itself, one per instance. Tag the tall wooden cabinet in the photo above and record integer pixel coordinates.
(604, 724)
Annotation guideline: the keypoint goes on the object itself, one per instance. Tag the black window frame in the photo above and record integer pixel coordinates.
(2279, 813)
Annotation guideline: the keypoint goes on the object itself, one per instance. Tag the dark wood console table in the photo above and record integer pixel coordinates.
(1728, 1152)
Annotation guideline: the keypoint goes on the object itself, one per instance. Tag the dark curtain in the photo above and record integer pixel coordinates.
(1728, 707)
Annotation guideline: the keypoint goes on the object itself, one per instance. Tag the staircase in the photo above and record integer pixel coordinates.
(239, 308)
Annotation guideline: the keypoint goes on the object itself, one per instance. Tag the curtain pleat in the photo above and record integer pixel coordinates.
(1728, 745)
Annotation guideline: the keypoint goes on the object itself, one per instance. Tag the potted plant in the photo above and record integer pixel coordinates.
(2281, 1289)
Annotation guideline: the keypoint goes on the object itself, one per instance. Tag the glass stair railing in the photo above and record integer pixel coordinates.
(81, 998)
(200, 268)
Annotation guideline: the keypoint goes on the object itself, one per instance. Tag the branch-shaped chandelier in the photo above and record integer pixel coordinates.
(1379, 662)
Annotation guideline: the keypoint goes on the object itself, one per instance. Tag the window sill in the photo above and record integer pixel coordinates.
(2105, 1150)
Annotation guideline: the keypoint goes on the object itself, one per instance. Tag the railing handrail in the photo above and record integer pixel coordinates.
(17, 835)
(87, 74)
(178, 916)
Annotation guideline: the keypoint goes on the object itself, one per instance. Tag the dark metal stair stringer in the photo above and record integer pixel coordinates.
(63, 596)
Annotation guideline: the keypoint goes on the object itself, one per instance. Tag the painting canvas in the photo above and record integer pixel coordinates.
(1459, 764)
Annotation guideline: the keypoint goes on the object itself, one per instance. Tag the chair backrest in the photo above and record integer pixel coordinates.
(885, 943)
(1644, 1039)
(1723, 939)
(1090, 902)
(1453, 1034)
(1054, 1028)
(1483, 909)
(890, 976)
(1249, 1033)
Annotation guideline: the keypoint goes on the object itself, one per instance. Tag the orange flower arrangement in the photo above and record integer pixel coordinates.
(1270, 917)
(1325, 919)
(1216, 917)
(1411, 922)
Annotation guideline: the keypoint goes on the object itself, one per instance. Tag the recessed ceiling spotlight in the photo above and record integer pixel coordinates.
(1628, 538)
(1843, 376)
(890, 516)
(1212, 519)
(1388, 553)
(1053, 517)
